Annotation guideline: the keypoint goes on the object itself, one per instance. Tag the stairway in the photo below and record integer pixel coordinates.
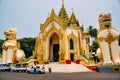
(66, 68)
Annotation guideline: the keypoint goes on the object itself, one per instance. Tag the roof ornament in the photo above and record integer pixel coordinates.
(72, 9)
(48, 14)
(62, 3)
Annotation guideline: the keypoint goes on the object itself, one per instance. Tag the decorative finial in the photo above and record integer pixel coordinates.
(62, 3)
(72, 9)
(48, 14)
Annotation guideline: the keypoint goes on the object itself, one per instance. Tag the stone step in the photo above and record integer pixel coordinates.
(67, 68)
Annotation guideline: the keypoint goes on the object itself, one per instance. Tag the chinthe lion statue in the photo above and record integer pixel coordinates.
(108, 38)
(11, 48)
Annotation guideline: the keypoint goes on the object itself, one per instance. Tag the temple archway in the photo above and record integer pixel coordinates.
(54, 47)
(71, 44)
(72, 49)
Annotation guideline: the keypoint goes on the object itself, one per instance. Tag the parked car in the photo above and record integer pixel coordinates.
(19, 68)
(5, 67)
(39, 70)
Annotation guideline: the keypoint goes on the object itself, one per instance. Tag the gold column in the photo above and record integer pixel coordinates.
(62, 49)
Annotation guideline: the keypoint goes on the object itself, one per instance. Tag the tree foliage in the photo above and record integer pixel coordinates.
(1, 43)
(94, 46)
(93, 34)
(92, 31)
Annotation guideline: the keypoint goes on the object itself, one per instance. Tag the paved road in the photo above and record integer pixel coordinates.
(60, 76)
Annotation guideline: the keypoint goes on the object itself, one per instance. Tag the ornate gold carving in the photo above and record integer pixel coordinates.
(72, 36)
(41, 57)
(18, 45)
(53, 28)
(62, 55)
(5, 47)
(10, 47)
(109, 38)
(104, 19)
(53, 17)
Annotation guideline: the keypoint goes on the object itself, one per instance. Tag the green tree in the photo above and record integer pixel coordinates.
(93, 36)
(1, 43)
(94, 46)
(93, 32)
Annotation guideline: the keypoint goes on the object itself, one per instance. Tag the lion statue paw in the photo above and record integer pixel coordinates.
(117, 63)
(108, 63)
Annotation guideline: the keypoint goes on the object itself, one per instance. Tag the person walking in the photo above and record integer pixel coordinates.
(0, 70)
(34, 67)
(49, 68)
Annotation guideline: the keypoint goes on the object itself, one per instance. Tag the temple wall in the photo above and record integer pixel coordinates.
(69, 31)
(48, 27)
(57, 26)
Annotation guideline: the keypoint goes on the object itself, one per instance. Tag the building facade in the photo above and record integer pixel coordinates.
(61, 39)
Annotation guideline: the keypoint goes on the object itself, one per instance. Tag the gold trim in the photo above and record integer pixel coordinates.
(109, 38)
(74, 38)
(53, 17)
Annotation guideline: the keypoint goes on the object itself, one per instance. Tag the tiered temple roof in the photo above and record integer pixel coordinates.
(63, 17)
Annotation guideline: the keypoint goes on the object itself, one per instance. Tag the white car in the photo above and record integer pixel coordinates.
(39, 70)
(19, 68)
(5, 67)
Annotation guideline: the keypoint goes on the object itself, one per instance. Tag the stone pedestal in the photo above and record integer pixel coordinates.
(68, 61)
(62, 61)
(78, 61)
(110, 68)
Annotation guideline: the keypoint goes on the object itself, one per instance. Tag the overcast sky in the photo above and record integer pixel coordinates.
(26, 15)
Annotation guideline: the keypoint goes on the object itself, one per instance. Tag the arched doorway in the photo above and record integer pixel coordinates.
(72, 49)
(71, 44)
(72, 57)
(54, 48)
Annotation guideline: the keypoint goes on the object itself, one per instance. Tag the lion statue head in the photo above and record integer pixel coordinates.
(10, 34)
(104, 20)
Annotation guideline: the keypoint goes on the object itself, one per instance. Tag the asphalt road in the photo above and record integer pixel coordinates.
(60, 76)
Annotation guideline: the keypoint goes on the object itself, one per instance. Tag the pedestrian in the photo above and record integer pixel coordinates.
(34, 67)
(49, 69)
(0, 70)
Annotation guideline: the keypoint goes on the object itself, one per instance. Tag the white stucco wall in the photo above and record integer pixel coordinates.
(48, 27)
(72, 30)
(57, 26)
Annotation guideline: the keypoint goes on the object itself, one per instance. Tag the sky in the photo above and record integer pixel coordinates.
(27, 15)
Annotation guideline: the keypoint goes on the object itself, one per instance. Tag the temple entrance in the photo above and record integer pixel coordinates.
(72, 57)
(55, 52)
(54, 48)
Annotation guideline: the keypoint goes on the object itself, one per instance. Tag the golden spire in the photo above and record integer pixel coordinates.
(62, 3)
(62, 13)
(52, 13)
(73, 19)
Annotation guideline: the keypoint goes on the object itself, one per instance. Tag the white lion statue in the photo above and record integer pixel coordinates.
(11, 48)
(108, 38)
